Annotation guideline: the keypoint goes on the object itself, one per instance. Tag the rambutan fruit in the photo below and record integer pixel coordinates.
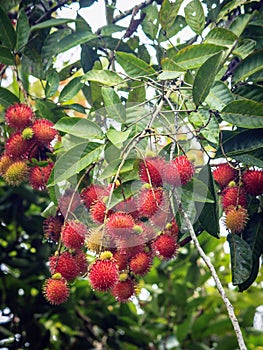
(163, 215)
(233, 196)
(64, 264)
(39, 175)
(253, 182)
(165, 246)
(223, 174)
(92, 193)
(19, 115)
(56, 290)
(81, 262)
(172, 229)
(185, 169)
(236, 219)
(44, 131)
(27, 133)
(128, 206)
(17, 147)
(120, 225)
(5, 162)
(96, 240)
(73, 234)
(98, 211)
(140, 264)
(171, 174)
(52, 227)
(150, 200)
(16, 173)
(69, 202)
(103, 274)
(123, 290)
(151, 169)
(121, 260)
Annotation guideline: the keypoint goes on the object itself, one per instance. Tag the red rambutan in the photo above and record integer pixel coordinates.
(223, 174)
(103, 274)
(52, 227)
(19, 115)
(39, 175)
(253, 182)
(233, 196)
(120, 225)
(44, 131)
(150, 200)
(128, 206)
(81, 262)
(98, 211)
(185, 169)
(73, 234)
(17, 147)
(16, 173)
(172, 228)
(65, 265)
(123, 290)
(165, 246)
(56, 291)
(151, 169)
(121, 260)
(140, 264)
(92, 193)
(236, 219)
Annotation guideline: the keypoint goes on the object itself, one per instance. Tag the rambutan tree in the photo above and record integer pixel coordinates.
(136, 149)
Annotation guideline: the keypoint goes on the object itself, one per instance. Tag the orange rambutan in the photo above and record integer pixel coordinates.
(56, 290)
(120, 225)
(98, 211)
(92, 193)
(44, 131)
(19, 115)
(64, 264)
(236, 219)
(17, 147)
(5, 162)
(140, 264)
(165, 246)
(16, 173)
(233, 196)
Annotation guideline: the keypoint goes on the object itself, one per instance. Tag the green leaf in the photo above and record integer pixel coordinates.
(52, 83)
(197, 191)
(168, 13)
(251, 92)
(71, 89)
(220, 36)
(250, 65)
(137, 92)
(194, 56)
(7, 98)
(74, 160)
(104, 77)
(240, 23)
(178, 25)
(74, 39)
(150, 23)
(134, 66)
(6, 56)
(241, 258)
(117, 137)
(194, 15)
(230, 6)
(244, 113)
(206, 123)
(219, 96)
(22, 30)
(205, 77)
(171, 70)
(245, 48)
(7, 32)
(80, 127)
(109, 29)
(115, 109)
(241, 142)
(254, 158)
(51, 23)
(111, 169)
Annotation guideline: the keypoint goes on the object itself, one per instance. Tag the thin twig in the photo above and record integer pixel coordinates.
(130, 11)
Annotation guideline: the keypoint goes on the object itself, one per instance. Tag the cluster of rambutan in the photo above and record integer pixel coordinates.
(25, 158)
(125, 239)
(235, 190)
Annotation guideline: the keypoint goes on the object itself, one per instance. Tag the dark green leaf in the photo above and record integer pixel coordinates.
(51, 23)
(219, 96)
(73, 40)
(22, 30)
(178, 25)
(194, 15)
(104, 77)
(220, 36)
(150, 23)
(80, 127)
(252, 92)
(7, 32)
(244, 48)
(254, 158)
(134, 67)
(71, 89)
(52, 83)
(117, 137)
(7, 98)
(241, 259)
(137, 92)
(250, 65)
(115, 109)
(88, 57)
(168, 13)
(6, 56)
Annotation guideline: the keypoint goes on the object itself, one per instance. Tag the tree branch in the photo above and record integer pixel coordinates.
(220, 288)
(130, 11)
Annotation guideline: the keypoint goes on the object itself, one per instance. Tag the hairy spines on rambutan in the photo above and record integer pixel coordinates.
(19, 115)
(65, 265)
(233, 196)
(92, 193)
(151, 170)
(123, 290)
(81, 262)
(56, 290)
(5, 162)
(253, 182)
(120, 225)
(185, 169)
(52, 227)
(236, 219)
(103, 274)
(140, 264)
(223, 174)
(73, 234)
(44, 131)
(165, 246)
(39, 175)
(17, 147)
(149, 202)
(16, 173)
(98, 211)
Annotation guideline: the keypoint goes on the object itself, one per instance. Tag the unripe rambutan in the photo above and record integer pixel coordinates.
(17, 147)
(236, 219)
(140, 264)
(39, 175)
(44, 131)
(98, 211)
(233, 196)
(27, 133)
(223, 174)
(92, 193)
(165, 246)
(150, 201)
(65, 265)
(5, 162)
(52, 227)
(19, 115)
(96, 240)
(123, 290)
(56, 291)
(16, 173)
(103, 275)
(253, 182)
(120, 225)
(151, 169)
(73, 234)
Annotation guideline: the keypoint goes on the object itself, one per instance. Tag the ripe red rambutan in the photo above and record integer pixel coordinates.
(16, 173)
(39, 175)
(172, 228)
(236, 219)
(5, 162)
(163, 214)
(150, 200)
(253, 182)
(73, 234)
(121, 260)
(120, 225)
(185, 169)
(81, 262)
(98, 211)
(92, 193)
(44, 131)
(69, 201)
(56, 291)
(123, 290)
(151, 169)
(19, 115)
(128, 206)
(223, 174)
(140, 264)
(233, 196)
(65, 265)
(171, 174)
(52, 227)
(165, 246)
(103, 274)
(17, 147)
